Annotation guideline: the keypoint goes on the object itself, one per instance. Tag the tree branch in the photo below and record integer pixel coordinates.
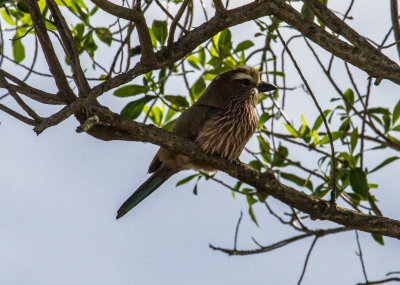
(49, 53)
(394, 10)
(363, 56)
(375, 64)
(17, 115)
(31, 92)
(135, 15)
(174, 23)
(69, 48)
(21, 103)
(119, 128)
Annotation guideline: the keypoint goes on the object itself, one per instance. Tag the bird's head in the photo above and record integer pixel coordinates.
(247, 79)
(240, 83)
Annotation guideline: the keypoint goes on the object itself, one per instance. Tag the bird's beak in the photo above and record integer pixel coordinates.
(265, 87)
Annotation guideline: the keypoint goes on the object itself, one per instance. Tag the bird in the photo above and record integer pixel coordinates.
(221, 122)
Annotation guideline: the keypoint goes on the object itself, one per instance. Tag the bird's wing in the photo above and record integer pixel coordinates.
(188, 125)
(217, 94)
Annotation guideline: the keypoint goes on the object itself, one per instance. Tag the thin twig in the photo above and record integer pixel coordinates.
(175, 21)
(360, 255)
(170, 16)
(333, 193)
(237, 230)
(307, 258)
(393, 279)
(394, 11)
(17, 115)
(21, 103)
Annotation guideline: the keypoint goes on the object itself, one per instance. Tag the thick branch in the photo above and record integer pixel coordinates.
(337, 25)
(125, 129)
(375, 64)
(219, 6)
(69, 48)
(49, 53)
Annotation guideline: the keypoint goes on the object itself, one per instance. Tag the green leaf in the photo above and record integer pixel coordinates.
(297, 180)
(349, 95)
(179, 101)
(396, 128)
(198, 88)
(156, 115)
(252, 216)
(18, 50)
(358, 181)
(354, 139)
(379, 110)
(130, 90)
(335, 136)
(133, 109)
(256, 164)
(393, 139)
(78, 30)
(214, 47)
(387, 122)
(265, 149)
(168, 126)
(81, 4)
(160, 31)
(187, 179)
(277, 73)
(224, 43)
(321, 190)
(202, 56)
(396, 113)
(193, 61)
(378, 238)
(279, 158)
(384, 163)
(104, 35)
(292, 131)
(316, 137)
(152, 37)
(170, 114)
(347, 157)
(307, 13)
(23, 6)
(318, 122)
(243, 46)
(263, 118)
(136, 50)
(250, 199)
(7, 17)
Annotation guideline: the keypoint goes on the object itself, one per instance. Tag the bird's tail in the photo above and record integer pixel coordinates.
(148, 187)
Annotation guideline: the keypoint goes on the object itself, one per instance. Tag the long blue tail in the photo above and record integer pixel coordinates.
(148, 187)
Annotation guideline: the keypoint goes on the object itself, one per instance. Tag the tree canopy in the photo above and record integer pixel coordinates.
(142, 50)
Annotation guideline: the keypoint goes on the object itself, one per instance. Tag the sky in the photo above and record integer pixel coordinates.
(60, 192)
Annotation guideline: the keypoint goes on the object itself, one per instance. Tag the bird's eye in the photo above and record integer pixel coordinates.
(245, 82)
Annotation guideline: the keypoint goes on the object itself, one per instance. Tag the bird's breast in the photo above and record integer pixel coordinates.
(227, 132)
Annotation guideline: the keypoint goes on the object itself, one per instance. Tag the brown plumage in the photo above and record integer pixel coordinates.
(221, 122)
